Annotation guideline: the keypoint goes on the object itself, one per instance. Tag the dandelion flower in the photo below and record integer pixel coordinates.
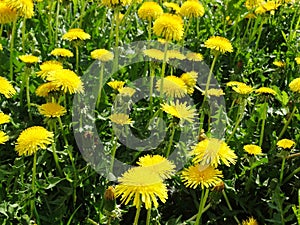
(143, 185)
(155, 54)
(1, 48)
(62, 52)
(120, 118)
(295, 85)
(235, 84)
(265, 90)
(192, 9)
(243, 89)
(116, 85)
(113, 3)
(4, 118)
(102, 55)
(250, 16)
(252, 4)
(3, 137)
(214, 92)
(285, 143)
(158, 164)
(169, 27)
(48, 67)
(219, 44)
(279, 63)
(204, 176)
(253, 149)
(193, 56)
(7, 15)
(66, 80)
(23, 7)
(173, 6)
(32, 139)
(213, 151)
(150, 11)
(30, 59)
(126, 91)
(180, 110)
(297, 59)
(174, 54)
(52, 110)
(6, 88)
(190, 80)
(44, 89)
(249, 221)
(76, 34)
(173, 87)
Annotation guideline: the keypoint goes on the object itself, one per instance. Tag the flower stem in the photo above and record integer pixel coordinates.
(148, 216)
(77, 58)
(27, 77)
(54, 151)
(149, 29)
(100, 84)
(281, 171)
(204, 196)
(11, 59)
(229, 205)
(152, 73)
(163, 69)
(113, 153)
(57, 22)
(171, 140)
(32, 205)
(137, 214)
(23, 34)
(287, 122)
(117, 21)
(264, 117)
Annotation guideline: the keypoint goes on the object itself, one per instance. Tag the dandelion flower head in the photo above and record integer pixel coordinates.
(76, 34)
(126, 91)
(4, 118)
(180, 110)
(214, 92)
(253, 149)
(62, 52)
(190, 80)
(32, 139)
(150, 11)
(173, 6)
(297, 59)
(250, 221)
(30, 59)
(295, 85)
(192, 9)
(3, 137)
(219, 44)
(265, 90)
(158, 164)
(279, 63)
(285, 143)
(193, 56)
(252, 4)
(143, 185)
(120, 118)
(7, 14)
(204, 176)
(172, 86)
(174, 54)
(52, 110)
(102, 55)
(155, 54)
(47, 67)
(23, 7)
(6, 88)
(116, 85)
(114, 3)
(44, 89)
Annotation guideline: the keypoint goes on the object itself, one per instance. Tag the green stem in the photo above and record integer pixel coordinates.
(204, 196)
(32, 205)
(148, 216)
(54, 152)
(149, 29)
(163, 69)
(261, 138)
(117, 21)
(11, 59)
(77, 58)
(287, 123)
(152, 73)
(113, 153)
(239, 120)
(27, 77)
(171, 140)
(291, 175)
(82, 13)
(137, 214)
(282, 169)
(259, 34)
(57, 22)
(229, 205)
(23, 35)
(1, 29)
(100, 84)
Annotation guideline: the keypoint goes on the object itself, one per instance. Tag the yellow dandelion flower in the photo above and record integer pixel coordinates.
(102, 55)
(213, 151)
(279, 63)
(1, 48)
(62, 52)
(23, 7)
(214, 92)
(150, 11)
(250, 16)
(44, 89)
(48, 67)
(3, 137)
(114, 3)
(190, 80)
(219, 44)
(143, 186)
(180, 110)
(260, 10)
(7, 15)
(285, 143)
(250, 221)
(193, 56)
(6, 88)
(173, 87)
(169, 27)
(173, 6)
(294, 85)
(126, 91)
(270, 5)
(30, 59)
(252, 4)
(66, 80)
(52, 110)
(265, 90)
(204, 176)
(243, 89)
(33, 139)
(4, 118)
(297, 59)
(76, 34)
(116, 85)
(192, 9)
(253, 149)
(155, 54)
(235, 84)
(174, 54)
(120, 118)
(158, 164)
